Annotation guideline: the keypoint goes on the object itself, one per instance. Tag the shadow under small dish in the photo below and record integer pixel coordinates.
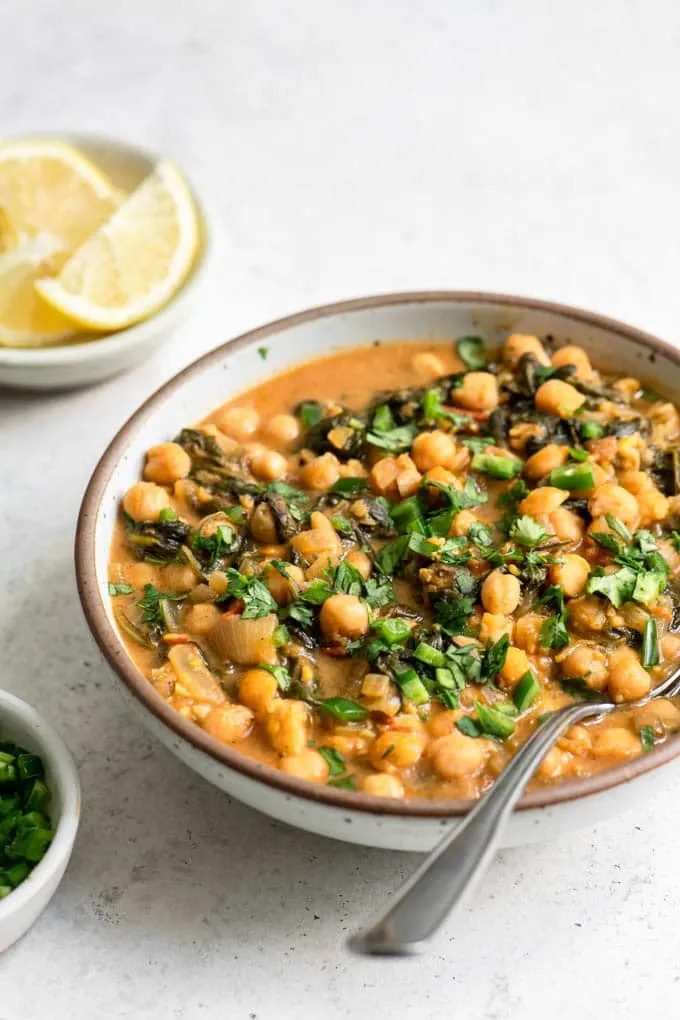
(351, 591)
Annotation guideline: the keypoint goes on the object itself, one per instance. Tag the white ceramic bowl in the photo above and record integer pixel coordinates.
(80, 364)
(356, 817)
(21, 723)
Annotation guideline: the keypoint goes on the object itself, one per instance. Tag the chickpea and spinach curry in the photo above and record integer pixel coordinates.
(387, 591)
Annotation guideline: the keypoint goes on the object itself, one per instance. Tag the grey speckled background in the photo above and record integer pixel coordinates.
(346, 148)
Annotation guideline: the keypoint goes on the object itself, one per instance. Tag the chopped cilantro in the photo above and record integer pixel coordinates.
(391, 555)
(152, 605)
(617, 587)
(647, 737)
(256, 597)
(577, 687)
(494, 658)
(334, 760)
(281, 674)
(469, 726)
(343, 709)
(477, 444)
(394, 440)
(213, 547)
(310, 413)
(526, 531)
(120, 589)
(349, 486)
(263, 352)
(471, 351)
(452, 614)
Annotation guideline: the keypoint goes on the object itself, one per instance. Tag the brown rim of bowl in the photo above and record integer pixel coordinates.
(114, 651)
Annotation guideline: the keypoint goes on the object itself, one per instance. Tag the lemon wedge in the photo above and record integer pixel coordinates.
(133, 264)
(25, 319)
(9, 236)
(48, 187)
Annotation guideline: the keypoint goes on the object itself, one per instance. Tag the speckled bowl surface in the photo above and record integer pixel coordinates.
(236, 366)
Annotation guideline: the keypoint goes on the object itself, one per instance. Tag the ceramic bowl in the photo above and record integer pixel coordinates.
(68, 366)
(21, 723)
(236, 366)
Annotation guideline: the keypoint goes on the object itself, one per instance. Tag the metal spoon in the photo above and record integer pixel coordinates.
(457, 864)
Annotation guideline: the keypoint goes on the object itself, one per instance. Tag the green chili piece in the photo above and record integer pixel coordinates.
(573, 477)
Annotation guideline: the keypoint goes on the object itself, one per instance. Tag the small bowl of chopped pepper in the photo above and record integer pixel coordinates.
(39, 815)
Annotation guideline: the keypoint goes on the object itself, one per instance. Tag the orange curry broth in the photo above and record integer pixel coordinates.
(352, 377)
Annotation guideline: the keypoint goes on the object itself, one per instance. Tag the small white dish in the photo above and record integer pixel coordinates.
(71, 365)
(21, 723)
(412, 824)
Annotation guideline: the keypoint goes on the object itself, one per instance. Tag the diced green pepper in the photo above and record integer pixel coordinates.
(591, 430)
(412, 687)
(29, 766)
(493, 722)
(573, 477)
(496, 466)
(526, 692)
(430, 656)
(650, 645)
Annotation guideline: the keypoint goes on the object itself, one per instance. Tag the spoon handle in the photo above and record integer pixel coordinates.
(458, 862)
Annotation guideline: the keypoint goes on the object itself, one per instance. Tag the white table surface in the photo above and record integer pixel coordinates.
(347, 148)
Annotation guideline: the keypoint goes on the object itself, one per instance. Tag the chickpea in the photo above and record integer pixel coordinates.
(200, 618)
(615, 742)
(383, 477)
(546, 460)
(479, 392)
(306, 764)
(515, 666)
(566, 525)
(462, 522)
(427, 365)
(443, 477)
(572, 573)
(576, 741)
(284, 589)
(576, 356)
(628, 679)
(263, 526)
(519, 344)
(144, 501)
(543, 500)
(396, 749)
(178, 577)
(287, 725)
(444, 722)
(587, 613)
(268, 465)
(458, 756)
(383, 785)
(240, 423)
(528, 631)
(228, 723)
(138, 574)
(360, 561)
(670, 646)
(257, 689)
(661, 714)
(167, 463)
(343, 616)
(554, 764)
(433, 449)
(494, 626)
(408, 477)
(281, 429)
(587, 661)
(320, 474)
(614, 499)
(560, 398)
(501, 593)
